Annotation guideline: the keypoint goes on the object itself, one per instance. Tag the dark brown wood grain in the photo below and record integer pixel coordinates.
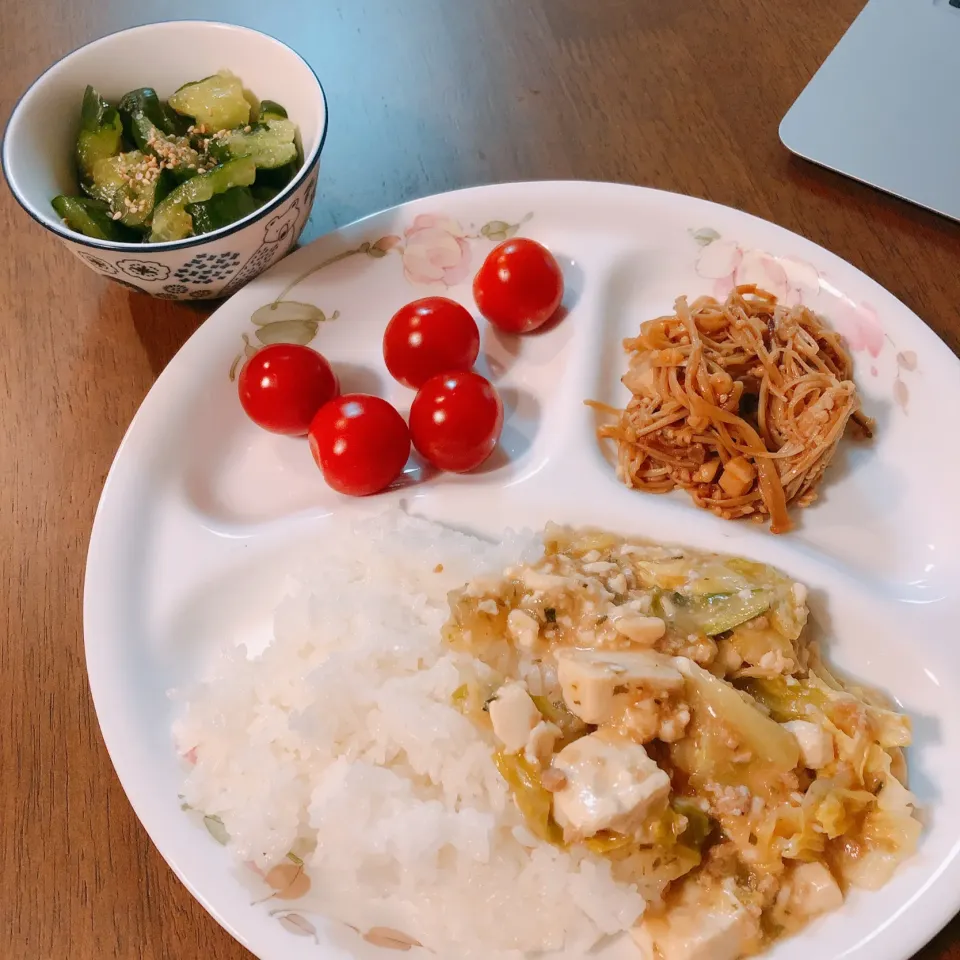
(426, 95)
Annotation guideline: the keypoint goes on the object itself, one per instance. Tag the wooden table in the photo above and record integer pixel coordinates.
(425, 95)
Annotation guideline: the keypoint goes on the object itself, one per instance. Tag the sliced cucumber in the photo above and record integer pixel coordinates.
(175, 125)
(172, 221)
(175, 153)
(140, 129)
(222, 209)
(263, 194)
(158, 130)
(251, 98)
(271, 110)
(271, 145)
(131, 184)
(94, 110)
(216, 102)
(92, 219)
(101, 133)
(145, 101)
(277, 178)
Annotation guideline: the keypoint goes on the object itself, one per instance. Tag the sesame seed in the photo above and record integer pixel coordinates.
(116, 216)
(246, 129)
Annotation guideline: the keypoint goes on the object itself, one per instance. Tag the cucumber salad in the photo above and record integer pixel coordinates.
(155, 170)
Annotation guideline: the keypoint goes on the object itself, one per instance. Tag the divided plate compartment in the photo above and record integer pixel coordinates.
(204, 516)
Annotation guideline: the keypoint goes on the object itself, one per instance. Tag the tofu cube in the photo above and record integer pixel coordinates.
(638, 628)
(737, 477)
(719, 928)
(814, 890)
(523, 628)
(816, 744)
(513, 715)
(599, 685)
(611, 784)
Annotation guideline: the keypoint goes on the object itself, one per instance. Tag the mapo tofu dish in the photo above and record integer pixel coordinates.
(666, 710)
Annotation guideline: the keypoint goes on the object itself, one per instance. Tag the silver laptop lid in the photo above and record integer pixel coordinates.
(885, 106)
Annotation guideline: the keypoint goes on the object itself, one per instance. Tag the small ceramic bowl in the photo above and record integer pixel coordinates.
(38, 150)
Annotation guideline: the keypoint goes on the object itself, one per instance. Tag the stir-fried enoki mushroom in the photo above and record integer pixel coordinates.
(741, 403)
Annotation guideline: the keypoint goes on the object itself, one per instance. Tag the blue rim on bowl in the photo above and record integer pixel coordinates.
(309, 162)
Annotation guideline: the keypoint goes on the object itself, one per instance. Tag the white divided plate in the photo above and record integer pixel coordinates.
(202, 512)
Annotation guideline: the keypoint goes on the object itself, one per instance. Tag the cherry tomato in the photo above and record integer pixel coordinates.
(429, 336)
(455, 420)
(519, 286)
(360, 443)
(283, 385)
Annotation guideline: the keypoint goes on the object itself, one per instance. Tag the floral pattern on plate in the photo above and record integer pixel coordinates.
(290, 881)
(286, 321)
(434, 250)
(729, 264)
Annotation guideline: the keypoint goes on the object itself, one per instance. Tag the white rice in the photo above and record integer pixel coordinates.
(340, 741)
